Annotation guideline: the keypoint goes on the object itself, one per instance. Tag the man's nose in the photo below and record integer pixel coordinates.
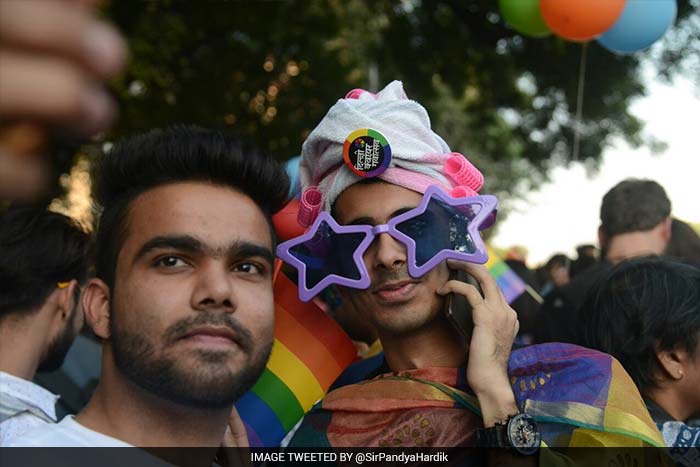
(389, 254)
(214, 287)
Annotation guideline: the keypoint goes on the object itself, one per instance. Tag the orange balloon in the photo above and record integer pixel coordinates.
(580, 20)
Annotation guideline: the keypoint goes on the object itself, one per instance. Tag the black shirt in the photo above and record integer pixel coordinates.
(558, 320)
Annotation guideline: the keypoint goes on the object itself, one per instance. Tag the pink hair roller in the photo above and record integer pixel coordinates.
(463, 172)
(356, 93)
(462, 191)
(309, 207)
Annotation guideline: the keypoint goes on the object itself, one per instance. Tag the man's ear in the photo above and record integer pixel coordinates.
(673, 362)
(602, 238)
(666, 229)
(96, 306)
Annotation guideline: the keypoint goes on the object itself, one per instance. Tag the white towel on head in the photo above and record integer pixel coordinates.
(417, 153)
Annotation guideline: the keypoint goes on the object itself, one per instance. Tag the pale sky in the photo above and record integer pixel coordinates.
(564, 213)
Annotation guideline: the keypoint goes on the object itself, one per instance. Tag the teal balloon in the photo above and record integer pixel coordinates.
(641, 24)
(524, 16)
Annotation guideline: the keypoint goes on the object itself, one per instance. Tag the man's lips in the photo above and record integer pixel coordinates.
(396, 291)
(389, 286)
(214, 335)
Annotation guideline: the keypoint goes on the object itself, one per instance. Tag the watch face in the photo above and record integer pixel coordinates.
(524, 434)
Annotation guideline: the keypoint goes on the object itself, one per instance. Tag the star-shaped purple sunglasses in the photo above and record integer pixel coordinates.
(439, 228)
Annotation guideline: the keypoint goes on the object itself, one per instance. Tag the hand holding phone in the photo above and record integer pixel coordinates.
(457, 308)
(495, 325)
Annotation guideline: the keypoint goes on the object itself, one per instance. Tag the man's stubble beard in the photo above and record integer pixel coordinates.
(407, 327)
(59, 347)
(204, 386)
(397, 326)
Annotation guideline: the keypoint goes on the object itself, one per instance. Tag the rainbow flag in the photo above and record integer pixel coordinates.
(511, 285)
(309, 352)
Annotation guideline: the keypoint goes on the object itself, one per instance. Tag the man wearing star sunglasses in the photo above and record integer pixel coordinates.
(440, 227)
(391, 234)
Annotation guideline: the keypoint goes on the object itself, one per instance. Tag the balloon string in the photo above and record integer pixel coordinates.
(579, 101)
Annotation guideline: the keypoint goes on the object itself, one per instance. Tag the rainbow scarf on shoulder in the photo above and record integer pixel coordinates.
(580, 398)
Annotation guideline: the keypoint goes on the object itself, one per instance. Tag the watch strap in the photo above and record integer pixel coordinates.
(492, 437)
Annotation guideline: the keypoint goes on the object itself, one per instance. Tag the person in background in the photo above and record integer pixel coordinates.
(635, 220)
(77, 378)
(557, 270)
(526, 306)
(646, 313)
(44, 262)
(587, 256)
(516, 259)
(685, 242)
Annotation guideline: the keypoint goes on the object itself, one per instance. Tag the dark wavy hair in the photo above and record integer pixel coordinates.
(178, 154)
(684, 243)
(641, 306)
(633, 206)
(38, 249)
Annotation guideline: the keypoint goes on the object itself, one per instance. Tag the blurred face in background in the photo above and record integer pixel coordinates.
(559, 275)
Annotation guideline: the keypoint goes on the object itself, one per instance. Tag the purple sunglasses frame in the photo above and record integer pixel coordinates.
(482, 219)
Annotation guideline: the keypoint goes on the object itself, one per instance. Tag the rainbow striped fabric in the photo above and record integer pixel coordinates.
(579, 397)
(511, 285)
(309, 352)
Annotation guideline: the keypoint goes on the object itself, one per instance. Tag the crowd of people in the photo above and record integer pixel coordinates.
(168, 309)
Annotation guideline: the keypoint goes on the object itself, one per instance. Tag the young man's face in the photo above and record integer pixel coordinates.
(192, 307)
(395, 303)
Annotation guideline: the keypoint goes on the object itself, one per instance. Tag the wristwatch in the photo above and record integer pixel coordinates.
(520, 433)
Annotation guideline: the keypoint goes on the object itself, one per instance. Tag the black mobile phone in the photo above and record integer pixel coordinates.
(457, 308)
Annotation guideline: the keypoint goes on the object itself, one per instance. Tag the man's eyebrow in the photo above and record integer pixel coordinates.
(244, 249)
(189, 244)
(362, 221)
(173, 242)
(371, 221)
(398, 212)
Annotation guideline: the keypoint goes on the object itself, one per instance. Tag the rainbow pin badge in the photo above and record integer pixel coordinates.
(367, 152)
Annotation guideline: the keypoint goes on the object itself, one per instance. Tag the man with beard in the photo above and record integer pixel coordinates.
(183, 295)
(44, 261)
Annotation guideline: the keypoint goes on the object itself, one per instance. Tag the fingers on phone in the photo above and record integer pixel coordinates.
(481, 274)
(470, 292)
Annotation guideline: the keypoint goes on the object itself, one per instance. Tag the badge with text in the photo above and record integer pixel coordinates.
(367, 152)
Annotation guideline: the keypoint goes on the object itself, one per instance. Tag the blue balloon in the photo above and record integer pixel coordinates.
(642, 22)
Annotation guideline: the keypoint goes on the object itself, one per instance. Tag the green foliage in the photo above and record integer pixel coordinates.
(269, 71)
